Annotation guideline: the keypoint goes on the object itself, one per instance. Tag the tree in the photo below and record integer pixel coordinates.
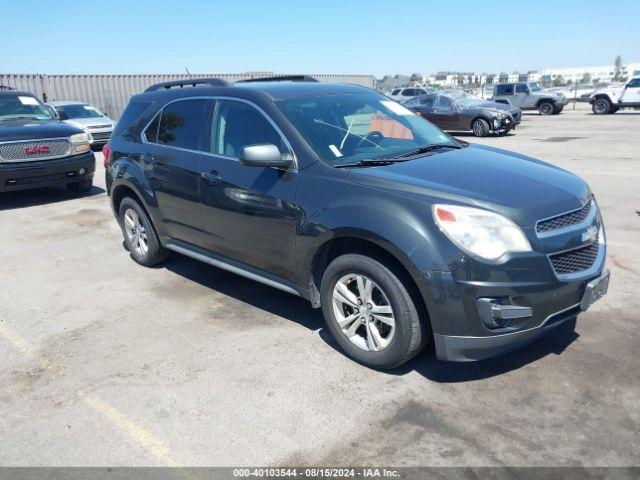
(617, 67)
(559, 80)
(586, 78)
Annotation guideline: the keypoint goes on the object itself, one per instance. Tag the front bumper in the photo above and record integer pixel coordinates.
(60, 171)
(529, 289)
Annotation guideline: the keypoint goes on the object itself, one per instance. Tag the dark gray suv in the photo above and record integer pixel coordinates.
(402, 234)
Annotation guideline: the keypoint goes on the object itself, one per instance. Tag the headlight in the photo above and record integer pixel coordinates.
(80, 142)
(480, 232)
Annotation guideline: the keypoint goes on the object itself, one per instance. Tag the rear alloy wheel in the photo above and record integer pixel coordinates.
(480, 127)
(545, 108)
(601, 106)
(139, 235)
(370, 313)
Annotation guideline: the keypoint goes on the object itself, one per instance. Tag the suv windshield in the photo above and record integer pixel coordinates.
(534, 87)
(78, 111)
(347, 128)
(14, 107)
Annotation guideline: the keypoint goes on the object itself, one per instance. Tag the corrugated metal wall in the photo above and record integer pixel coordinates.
(111, 93)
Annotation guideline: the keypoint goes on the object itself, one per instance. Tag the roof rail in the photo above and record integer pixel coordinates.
(281, 78)
(213, 82)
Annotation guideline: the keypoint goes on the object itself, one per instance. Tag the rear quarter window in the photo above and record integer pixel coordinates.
(132, 113)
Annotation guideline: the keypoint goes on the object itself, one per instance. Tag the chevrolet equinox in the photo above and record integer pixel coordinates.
(402, 234)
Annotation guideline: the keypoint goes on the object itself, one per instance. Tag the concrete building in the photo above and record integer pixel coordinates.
(602, 72)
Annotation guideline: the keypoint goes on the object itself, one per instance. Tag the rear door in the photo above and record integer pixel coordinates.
(249, 213)
(505, 92)
(444, 113)
(174, 151)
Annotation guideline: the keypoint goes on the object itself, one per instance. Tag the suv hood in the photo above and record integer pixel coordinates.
(520, 187)
(24, 129)
(88, 122)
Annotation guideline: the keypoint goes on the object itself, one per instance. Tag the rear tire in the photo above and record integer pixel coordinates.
(80, 187)
(480, 127)
(546, 108)
(601, 106)
(370, 312)
(140, 237)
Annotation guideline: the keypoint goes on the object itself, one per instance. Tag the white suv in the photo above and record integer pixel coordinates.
(404, 94)
(611, 99)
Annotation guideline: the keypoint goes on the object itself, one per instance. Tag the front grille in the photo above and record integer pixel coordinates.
(564, 220)
(95, 127)
(576, 260)
(16, 151)
(101, 135)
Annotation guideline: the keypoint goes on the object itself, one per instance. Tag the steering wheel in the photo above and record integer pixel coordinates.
(369, 138)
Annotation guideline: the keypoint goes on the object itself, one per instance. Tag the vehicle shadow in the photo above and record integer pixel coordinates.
(491, 135)
(41, 196)
(299, 311)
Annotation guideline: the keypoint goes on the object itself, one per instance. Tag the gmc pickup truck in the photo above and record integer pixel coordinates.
(38, 150)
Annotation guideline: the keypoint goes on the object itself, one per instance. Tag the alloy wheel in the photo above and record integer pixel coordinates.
(136, 233)
(478, 128)
(363, 312)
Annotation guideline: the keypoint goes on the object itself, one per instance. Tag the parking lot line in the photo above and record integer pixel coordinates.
(149, 442)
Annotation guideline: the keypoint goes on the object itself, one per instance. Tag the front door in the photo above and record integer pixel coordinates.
(249, 213)
(174, 151)
(632, 92)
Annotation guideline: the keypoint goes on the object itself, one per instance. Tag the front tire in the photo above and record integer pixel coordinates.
(546, 108)
(601, 106)
(139, 235)
(80, 187)
(480, 127)
(370, 312)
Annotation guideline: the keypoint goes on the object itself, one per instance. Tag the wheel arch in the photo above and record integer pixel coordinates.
(361, 243)
(545, 100)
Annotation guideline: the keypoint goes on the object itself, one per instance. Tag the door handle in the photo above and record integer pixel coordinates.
(147, 159)
(211, 178)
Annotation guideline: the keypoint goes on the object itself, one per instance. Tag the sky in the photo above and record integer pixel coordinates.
(326, 36)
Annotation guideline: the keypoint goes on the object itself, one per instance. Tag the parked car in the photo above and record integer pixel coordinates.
(86, 117)
(37, 150)
(612, 99)
(530, 96)
(402, 234)
(404, 94)
(459, 111)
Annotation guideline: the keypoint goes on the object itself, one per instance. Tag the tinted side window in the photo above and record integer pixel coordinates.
(520, 88)
(419, 91)
(238, 125)
(408, 92)
(427, 100)
(635, 83)
(506, 89)
(151, 132)
(181, 124)
(395, 92)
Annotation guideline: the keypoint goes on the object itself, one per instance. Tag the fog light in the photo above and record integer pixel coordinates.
(499, 313)
(82, 171)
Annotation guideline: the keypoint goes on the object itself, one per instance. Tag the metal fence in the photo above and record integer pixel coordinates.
(111, 93)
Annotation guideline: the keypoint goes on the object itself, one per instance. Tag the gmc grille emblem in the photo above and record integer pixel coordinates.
(36, 149)
(590, 235)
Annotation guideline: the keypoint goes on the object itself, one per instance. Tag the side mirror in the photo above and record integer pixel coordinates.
(264, 155)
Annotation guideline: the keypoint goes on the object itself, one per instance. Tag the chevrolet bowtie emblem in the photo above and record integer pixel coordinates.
(590, 235)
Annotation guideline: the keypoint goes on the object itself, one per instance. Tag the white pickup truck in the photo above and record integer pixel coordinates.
(611, 99)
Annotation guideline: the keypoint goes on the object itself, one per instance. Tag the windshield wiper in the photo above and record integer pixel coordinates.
(370, 162)
(426, 149)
